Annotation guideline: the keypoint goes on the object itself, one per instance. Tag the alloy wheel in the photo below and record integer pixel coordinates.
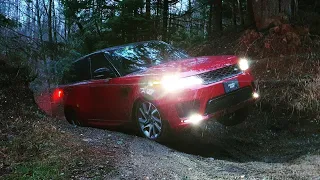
(149, 120)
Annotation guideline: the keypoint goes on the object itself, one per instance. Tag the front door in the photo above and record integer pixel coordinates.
(104, 92)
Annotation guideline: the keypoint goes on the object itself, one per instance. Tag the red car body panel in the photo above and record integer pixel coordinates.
(111, 101)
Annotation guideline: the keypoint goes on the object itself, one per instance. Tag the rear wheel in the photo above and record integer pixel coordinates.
(149, 122)
(72, 116)
(234, 118)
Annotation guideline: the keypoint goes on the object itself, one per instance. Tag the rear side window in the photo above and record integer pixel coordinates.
(79, 71)
(82, 69)
(69, 75)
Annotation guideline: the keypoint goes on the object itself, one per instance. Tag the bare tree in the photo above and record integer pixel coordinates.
(241, 12)
(217, 15)
(165, 19)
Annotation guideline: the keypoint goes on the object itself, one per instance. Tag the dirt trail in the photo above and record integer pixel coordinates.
(209, 152)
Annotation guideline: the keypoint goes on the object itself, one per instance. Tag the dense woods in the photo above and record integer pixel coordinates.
(51, 33)
(280, 140)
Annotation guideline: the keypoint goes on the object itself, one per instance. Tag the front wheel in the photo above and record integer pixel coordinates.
(150, 123)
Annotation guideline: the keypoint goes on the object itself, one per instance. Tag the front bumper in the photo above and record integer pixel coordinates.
(209, 101)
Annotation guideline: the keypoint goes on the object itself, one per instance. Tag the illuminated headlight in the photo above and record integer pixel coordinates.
(243, 64)
(174, 82)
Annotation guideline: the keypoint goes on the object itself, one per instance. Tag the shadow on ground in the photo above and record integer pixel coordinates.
(258, 139)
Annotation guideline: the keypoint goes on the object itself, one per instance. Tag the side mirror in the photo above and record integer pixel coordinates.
(102, 73)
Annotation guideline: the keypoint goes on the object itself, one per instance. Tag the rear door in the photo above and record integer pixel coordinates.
(77, 91)
(105, 92)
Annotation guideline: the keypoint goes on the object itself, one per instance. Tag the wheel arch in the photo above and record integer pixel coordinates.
(135, 103)
(133, 110)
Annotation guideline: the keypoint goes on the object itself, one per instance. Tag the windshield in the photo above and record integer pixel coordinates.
(138, 57)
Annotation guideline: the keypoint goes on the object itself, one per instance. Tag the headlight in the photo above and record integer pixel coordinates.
(174, 82)
(243, 64)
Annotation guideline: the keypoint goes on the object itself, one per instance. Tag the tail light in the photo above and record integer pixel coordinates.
(57, 94)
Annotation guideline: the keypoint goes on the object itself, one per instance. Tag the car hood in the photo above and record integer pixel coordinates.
(189, 67)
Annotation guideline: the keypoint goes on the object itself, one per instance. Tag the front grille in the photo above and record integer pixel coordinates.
(228, 100)
(220, 74)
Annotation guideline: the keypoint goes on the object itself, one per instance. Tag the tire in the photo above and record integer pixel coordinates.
(71, 116)
(149, 123)
(234, 118)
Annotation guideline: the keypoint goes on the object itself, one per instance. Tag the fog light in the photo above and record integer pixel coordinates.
(256, 95)
(194, 119)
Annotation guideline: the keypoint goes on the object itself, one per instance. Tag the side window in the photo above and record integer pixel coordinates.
(77, 72)
(82, 70)
(101, 68)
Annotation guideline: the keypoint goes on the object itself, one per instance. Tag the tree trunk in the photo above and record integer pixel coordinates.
(148, 23)
(65, 29)
(39, 21)
(17, 11)
(250, 15)
(157, 20)
(267, 12)
(50, 38)
(234, 13)
(28, 30)
(218, 16)
(190, 15)
(295, 7)
(55, 38)
(209, 30)
(204, 22)
(241, 12)
(165, 20)
(148, 9)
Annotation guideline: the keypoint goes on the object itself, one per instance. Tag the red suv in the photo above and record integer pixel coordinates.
(157, 87)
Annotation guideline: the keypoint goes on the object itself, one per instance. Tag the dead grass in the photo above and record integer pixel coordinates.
(38, 152)
(290, 85)
(309, 99)
(33, 147)
(45, 152)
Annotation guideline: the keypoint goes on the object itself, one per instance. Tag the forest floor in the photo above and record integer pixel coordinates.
(274, 143)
